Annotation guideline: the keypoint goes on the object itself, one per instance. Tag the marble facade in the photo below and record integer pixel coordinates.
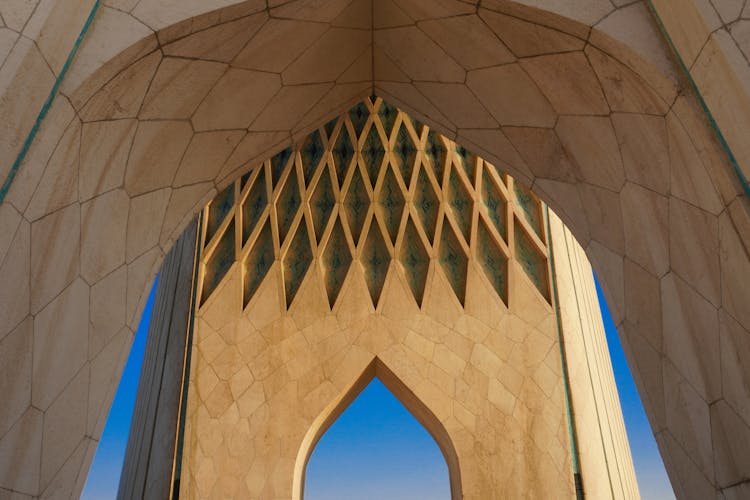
(640, 151)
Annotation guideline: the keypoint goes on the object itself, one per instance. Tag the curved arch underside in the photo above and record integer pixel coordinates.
(165, 106)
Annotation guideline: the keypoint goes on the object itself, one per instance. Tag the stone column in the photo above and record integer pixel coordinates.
(149, 458)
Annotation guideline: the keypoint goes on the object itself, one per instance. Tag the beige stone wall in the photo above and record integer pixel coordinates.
(273, 365)
(605, 459)
(491, 375)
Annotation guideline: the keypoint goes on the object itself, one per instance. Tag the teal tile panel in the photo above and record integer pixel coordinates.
(356, 204)
(387, 114)
(219, 208)
(359, 114)
(287, 205)
(392, 201)
(532, 261)
(495, 204)
(329, 126)
(322, 202)
(258, 263)
(312, 152)
(279, 163)
(436, 153)
(530, 207)
(493, 261)
(296, 263)
(219, 263)
(460, 202)
(255, 203)
(468, 162)
(454, 261)
(405, 152)
(415, 261)
(427, 204)
(373, 153)
(343, 152)
(336, 262)
(375, 262)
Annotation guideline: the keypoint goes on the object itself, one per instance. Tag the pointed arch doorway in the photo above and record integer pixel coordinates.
(377, 370)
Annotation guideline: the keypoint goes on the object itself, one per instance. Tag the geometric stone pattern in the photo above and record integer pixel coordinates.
(196, 91)
(267, 371)
(267, 376)
(375, 179)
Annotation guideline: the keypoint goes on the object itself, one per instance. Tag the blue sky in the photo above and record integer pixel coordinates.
(104, 475)
(376, 449)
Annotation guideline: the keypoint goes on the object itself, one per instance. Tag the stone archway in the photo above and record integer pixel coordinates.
(530, 89)
(416, 407)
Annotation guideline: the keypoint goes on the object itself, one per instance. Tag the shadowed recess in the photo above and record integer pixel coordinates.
(414, 260)
(375, 261)
(322, 202)
(495, 204)
(296, 263)
(336, 262)
(254, 205)
(454, 261)
(258, 263)
(532, 261)
(426, 203)
(391, 202)
(356, 204)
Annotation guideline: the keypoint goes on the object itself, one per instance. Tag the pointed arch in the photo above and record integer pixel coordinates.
(377, 369)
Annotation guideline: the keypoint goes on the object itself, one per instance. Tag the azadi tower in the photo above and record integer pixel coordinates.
(336, 190)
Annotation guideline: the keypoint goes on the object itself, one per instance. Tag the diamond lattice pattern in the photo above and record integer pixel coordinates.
(376, 186)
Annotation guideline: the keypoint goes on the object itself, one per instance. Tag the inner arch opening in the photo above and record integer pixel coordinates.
(377, 449)
(378, 381)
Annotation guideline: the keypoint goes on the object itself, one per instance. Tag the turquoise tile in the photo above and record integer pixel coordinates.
(329, 126)
(454, 261)
(359, 114)
(322, 202)
(373, 152)
(343, 152)
(392, 201)
(311, 153)
(530, 207)
(460, 202)
(375, 261)
(415, 261)
(296, 263)
(356, 204)
(427, 204)
(278, 164)
(258, 263)
(219, 208)
(387, 114)
(532, 261)
(468, 162)
(436, 153)
(405, 152)
(255, 203)
(493, 261)
(495, 204)
(288, 203)
(336, 262)
(219, 263)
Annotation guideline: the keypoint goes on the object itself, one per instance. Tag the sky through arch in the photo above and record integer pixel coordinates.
(376, 449)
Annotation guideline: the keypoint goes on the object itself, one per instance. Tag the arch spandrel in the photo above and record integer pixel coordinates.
(699, 188)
